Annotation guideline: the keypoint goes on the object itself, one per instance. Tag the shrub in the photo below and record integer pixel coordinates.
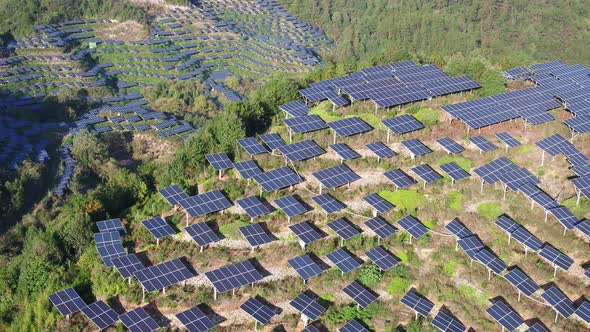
(451, 268)
(465, 163)
(398, 286)
(489, 210)
(231, 230)
(370, 275)
(405, 200)
(427, 116)
(454, 200)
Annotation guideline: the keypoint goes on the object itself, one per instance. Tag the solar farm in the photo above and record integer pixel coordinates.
(355, 212)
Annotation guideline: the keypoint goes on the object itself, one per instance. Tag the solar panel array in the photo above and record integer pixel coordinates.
(328, 203)
(173, 194)
(100, 314)
(252, 146)
(344, 151)
(295, 108)
(127, 265)
(402, 124)
(359, 294)
(508, 139)
(110, 225)
(273, 141)
(417, 303)
(399, 178)
(378, 203)
(291, 206)
(305, 266)
(307, 306)
(233, 276)
(138, 320)
(247, 169)
(519, 233)
(454, 171)
(336, 176)
(202, 204)
(555, 257)
(257, 310)
(416, 147)
(559, 301)
(109, 246)
(349, 126)
(158, 227)
(382, 258)
(194, 320)
(253, 206)
(301, 150)
(343, 228)
(353, 326)
(343, 259)
(219, 161)
(277, 179)
(450, 145)
(255, 235)
(414, 227)
(426, 173)
(447, 323)
(380, 227)
(505, 316)
(381, 150)
(482, 143)
(202, 234)
(163, 275)
(522, 282)
(305, 124)
(67, 301)
(306, 232)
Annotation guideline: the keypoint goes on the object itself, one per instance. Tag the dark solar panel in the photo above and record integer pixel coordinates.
(490, 260)
(359, 294)
(173, 194)
(194, 320)
(305, 232)
(301, 150)
(277, 178)
(582, 183)
(450, 145)
(556, 258)
(127, 265)
(343, 228)
(111, 225)
(564, 216)
(382, 228)
(206, 203)
(399, 178)
(291, 206)
(138, 320)
(382, 258)
(336, 176)
(257, 310)
(255, 235)
(521, 281)
(553, 144)
(67, 301)
(489, 172)
(202, 234)
(349, 126)
(417, 303)
(583, 311)
(219, 161)
(416, 147)
(454, 171)
(100, 314)
(508, 139)
(252, 146)
(413, 226)
(505, 316)
(158, 227)
(537, 327)
(403, 124)
(295, 108)
(233, 276)
(253, 206)
(305, 266)
(247, 169)
(426, 173)
(344, 151)
(482, 143)
(458, 229)
(273, 141)
(108, 245)
(353, 326)
(305, 124)
(328, 203)
(307, 306)
(471, 245)
(447, 323)
(343, 259)
(559, 301)
(378, 203)
(381, 150)
(165, 274)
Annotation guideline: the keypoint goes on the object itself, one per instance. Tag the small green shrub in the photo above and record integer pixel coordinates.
(231, 230)
(398, 286)
(405, 200)
(465, 163)
(489, 210)
(450, 268)
(370, 275)
(454, 200)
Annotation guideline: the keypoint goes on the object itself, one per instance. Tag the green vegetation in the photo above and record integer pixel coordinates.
(427, 116)
(454, 200)
(465, 163)
(398, 286)
(231, 230)
(324, 111)
(405, 200)
(450, 268)
(489, 210)
(370, 275)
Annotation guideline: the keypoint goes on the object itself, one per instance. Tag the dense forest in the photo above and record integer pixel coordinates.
(510, 31)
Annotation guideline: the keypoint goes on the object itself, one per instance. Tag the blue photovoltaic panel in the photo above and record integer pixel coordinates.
(253, 206)
(336, 176)
(447, 323)
(344, 151)
(359, 294)
(490, 260)
(537, 327)
(67, 301)
(202, 234)
(233, 276)
(305, 266)
(559, 301)
(165, 274)
(482, 143)
(564, 216)
(295, 108)
(305, 124)
(306, 232)
(553, 145)
(454, 171)
(508, 139)
(301, 150)
(505, 316)
(173, 194)
(273, 141)
(343, 228)
(382, 258)
(399, 178)
(582, 183)
(426, 173)
(291, 206)
(194, 320)
(471, 245)
(343, 259)
(556, 258)
(515, 178)
(252, 146)
(381, 150)
(583, 311)
(378, 203)
(100, 314)
(111, 225)
(584, 227)
(353, 326)
(458, 229)
(413, 226)
(277, 178)
(158, 227)
(127, 265)
(403, 124)
(381, 227)
(350, 126)
(255, 235)
(328, 203)
(310, 328)
(450, 145)
(206, 203)
(219, 161)
(489, 172)
(417, 303)
(138, 320)
(247, 168)
(522, 282)
(307, 306)
(587, 273)
(416, 147)
(257, 310)
(108, 245)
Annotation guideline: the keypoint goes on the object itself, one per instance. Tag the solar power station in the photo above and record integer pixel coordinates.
(306, 233)
(127, 265)
(219, 161)
(202, 234)
(482, 143)
(556, 258)
(308, 307)
(414, 227)
(381, 150)
(359, 294)
(138, 320)
(402, 124)
(109, 246)
(344, 229)
(426, 173)
(247, 169)
(173, 194)
(508, 140)
(255, 235)
(353, 326)
(100, 314)
(505, 316)
(305, 267)
(349, 127)
(344, 151)
(158, 227)
(277, 179)
(445, 322)
(378, 203)
(233, 276)
(203, 204)
(420, 305)
(111, 225)
(450, 145)
(522, 282)
(380, 227)
(416, 147)
(295, 108)
(344, 260)
(291, 206)
(194, 320)
(302, 150)
(252, 146)
(305, 124)
(383, 258)
(336, 176)
(163, 275)
(454, 171)
(253, 206)
(328, 203)
(67, 301)
(399, 178)
(273, 141)
(560, 302)
(257, 310)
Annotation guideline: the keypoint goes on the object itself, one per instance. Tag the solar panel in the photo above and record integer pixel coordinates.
(564, 216)
(587, 273)
(67, 301)
(173, 194)
(582, 183)
(353, 326)
(138, 320)
(111, 225)
(253, 206)
(344, 151)
(359, 294)
(305, 266)
(399, 178)
(206, 203)
(336, 176)
(255, 235)
(454, 171)
(219, 161)
(165, 274)
(381, 150)
(515, 178)
(343, 228)
(127, 265)
(202, 234)
(382, 258)
(378, 203)
(291, 206)
(380, 227)
(450, 145)
(482, 143)
(556, 258)
(471, 245)
(273, 141)
(458, 229)
(305, 124)
(252, 146)
(328, 203)
(307, 306)
(277, 178)
(583, 311)
(247, 169)
(447, 323)
(521, 281)
(301, 150)
(490, 260)
(402, 124)
(416, 147)
(194, 320)
(260, 312)
(413, 226)
(553, 144)
(426, 173)
(537, 327)
(559, 301)
(100, 314)
(108, 245)
(417, 303)
(349, 126)
(584, 227)
(295, 108)
(233, 276)
(343, 259)
(305, 232)
(508, 139)
(310, 328)
(158, 227)
(489, 172)
(505, 316)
